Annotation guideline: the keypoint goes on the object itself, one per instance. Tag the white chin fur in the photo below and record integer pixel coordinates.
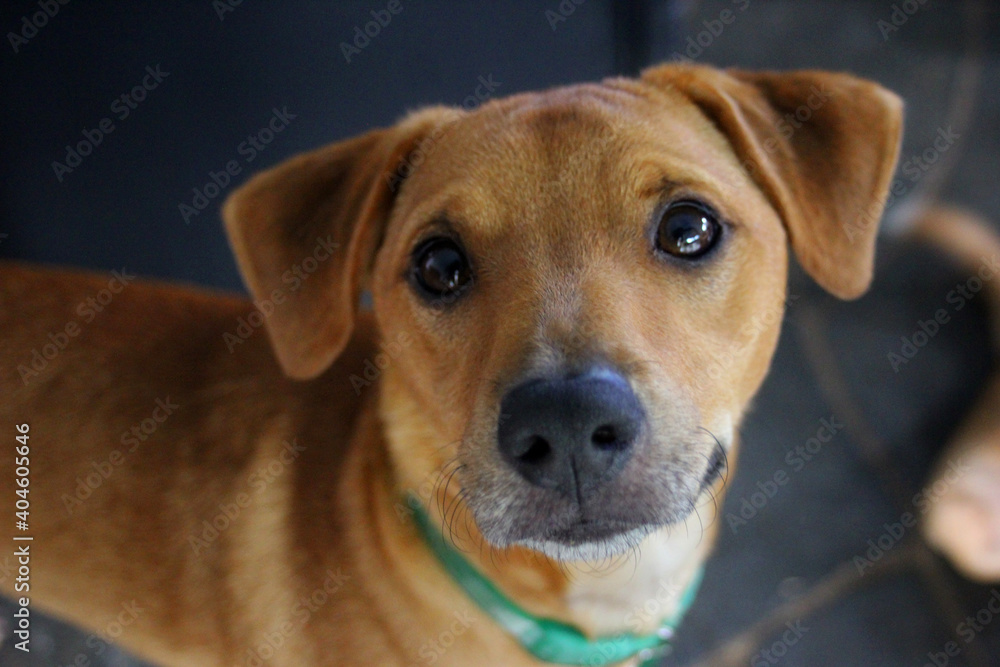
(589, 551)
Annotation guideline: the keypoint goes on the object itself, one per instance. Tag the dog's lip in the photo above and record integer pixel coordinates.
(586, 531)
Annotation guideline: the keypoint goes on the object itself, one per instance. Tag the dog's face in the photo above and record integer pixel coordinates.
(590, 281)
(570, 266)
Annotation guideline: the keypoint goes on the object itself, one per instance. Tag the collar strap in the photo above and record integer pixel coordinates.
(547, 639)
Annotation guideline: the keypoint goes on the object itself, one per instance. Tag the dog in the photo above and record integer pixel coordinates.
(575, 295)
(963, 521)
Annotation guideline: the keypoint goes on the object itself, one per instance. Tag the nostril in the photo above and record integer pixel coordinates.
(605, 437)
(538, 449)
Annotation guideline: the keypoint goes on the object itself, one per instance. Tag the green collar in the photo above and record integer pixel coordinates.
(547, 639)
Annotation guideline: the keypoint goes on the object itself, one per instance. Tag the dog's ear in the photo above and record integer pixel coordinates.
(305, 234)
(822, 146)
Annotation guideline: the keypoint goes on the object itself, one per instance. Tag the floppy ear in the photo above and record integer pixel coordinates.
(822, 146)
(307, 230)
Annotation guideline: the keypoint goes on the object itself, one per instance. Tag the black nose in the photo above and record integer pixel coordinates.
(571, 434)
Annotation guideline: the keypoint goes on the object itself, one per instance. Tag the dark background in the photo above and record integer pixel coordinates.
(119, 208)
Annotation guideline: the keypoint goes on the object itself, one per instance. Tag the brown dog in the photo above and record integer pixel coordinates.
(576, 294)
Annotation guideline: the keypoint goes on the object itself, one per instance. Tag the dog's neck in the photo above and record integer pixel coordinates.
(634, 594)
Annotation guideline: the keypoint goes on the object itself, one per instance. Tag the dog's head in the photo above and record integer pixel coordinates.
(589, 280)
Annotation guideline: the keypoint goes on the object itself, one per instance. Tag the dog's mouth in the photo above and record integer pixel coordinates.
(586, 531)
(589, 540)
(718, 464)
(612, 521)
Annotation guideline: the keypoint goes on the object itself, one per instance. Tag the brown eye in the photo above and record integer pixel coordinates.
(440, 269)
(687, 230)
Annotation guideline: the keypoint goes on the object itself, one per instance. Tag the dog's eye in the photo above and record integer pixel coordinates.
(687, 230)
(440, 268)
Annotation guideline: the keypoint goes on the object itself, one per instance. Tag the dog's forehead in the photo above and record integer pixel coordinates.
(564, 128)
(599, 145)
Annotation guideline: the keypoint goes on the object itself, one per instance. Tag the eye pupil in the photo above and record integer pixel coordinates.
(687, 230)
(441, 268)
